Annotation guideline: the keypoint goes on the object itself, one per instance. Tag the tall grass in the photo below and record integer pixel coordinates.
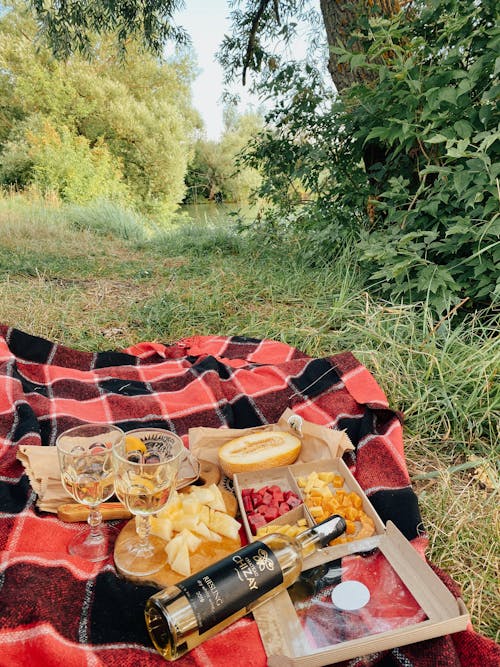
(107, 218)
(95, 286)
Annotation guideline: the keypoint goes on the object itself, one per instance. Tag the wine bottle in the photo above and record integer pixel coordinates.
(183, 616)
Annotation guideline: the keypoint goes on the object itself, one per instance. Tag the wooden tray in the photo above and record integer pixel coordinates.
(206, 554)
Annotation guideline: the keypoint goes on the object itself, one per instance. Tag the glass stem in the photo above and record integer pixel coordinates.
(94, 520)
(142, 527)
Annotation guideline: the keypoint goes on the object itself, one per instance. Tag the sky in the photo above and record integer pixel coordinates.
(206, 21)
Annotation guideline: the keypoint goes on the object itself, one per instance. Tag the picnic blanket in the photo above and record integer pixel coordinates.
(59, 610)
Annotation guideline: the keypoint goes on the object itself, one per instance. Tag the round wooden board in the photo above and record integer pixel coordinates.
(207, 553)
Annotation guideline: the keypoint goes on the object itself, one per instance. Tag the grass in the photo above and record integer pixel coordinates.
(99, 279)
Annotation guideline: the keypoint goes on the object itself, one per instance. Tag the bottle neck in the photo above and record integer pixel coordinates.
(321, 534)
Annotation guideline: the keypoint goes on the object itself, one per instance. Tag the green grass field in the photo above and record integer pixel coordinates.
(96, 278)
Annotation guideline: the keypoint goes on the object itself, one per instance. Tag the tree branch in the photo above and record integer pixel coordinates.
(251, 37)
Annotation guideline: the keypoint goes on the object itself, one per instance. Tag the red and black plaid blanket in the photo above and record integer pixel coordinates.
(59, 610)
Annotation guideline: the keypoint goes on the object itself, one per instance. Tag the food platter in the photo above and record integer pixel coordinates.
(206, 554)
(208, 551)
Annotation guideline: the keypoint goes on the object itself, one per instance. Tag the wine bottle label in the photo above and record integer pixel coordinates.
(231, 584)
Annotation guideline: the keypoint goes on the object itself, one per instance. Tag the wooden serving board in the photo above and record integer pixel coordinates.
(207, 553)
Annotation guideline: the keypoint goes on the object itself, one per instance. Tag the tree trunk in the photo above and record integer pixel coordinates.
(341, 19)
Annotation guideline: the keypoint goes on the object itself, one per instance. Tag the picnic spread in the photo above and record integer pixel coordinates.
(57, 609)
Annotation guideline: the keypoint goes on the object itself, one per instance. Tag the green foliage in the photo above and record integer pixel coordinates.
(261, 32)
(134, 118)
(57, 162)
(434, 111)
(313, 179)
(213, 173)
(71, 26)
(426, 207)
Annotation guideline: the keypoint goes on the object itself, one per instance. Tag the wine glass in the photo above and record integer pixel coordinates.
(86, 466)
(146, 464)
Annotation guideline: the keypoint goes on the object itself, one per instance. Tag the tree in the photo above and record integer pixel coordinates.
(213, 173)
(417, 104)
(70, 28)
(431, 104)
(138, 119)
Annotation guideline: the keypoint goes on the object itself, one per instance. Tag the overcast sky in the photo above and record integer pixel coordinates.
(206, 22)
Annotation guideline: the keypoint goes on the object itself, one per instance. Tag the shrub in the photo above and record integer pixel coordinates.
(429, 108)
(313, 179)
(434, 112)
(57, 161)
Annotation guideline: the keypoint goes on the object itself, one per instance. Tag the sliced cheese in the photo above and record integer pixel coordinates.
(178, 555)
(223, 524)
(217, 502)
(161, 528)
(192, 542)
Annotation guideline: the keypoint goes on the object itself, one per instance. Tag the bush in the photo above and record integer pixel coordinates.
(429, 109)
(313, 179)
(56, 161)
(434, 113)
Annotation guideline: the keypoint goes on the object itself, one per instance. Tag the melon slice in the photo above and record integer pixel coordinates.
(258, 451)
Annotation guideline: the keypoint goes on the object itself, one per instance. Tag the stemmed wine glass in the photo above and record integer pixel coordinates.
(146, 464)
(85, 462)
